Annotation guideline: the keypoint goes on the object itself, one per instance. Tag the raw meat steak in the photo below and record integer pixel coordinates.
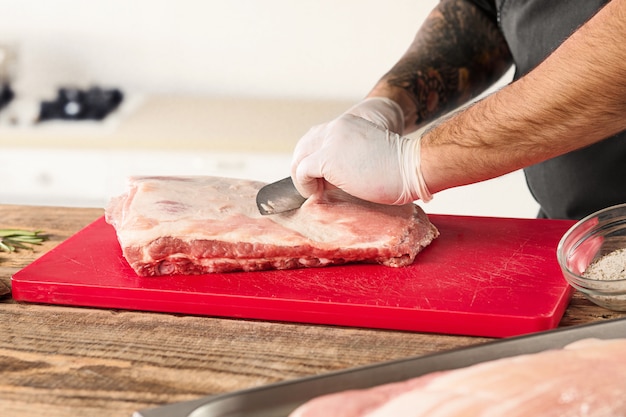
(197, 225)
(586, 378)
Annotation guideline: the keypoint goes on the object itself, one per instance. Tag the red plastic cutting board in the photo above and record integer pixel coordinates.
(483, 276)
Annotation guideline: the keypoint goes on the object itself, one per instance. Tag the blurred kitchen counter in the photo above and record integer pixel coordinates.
(83, 164)
(167, 122)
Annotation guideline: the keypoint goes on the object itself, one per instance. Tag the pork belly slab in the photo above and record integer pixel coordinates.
(586, 378)
(203, 224)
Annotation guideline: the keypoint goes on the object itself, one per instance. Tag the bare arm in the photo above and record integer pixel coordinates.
(456, 55)
(575, 98)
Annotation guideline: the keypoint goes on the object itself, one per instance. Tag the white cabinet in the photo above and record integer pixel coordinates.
(90, 177)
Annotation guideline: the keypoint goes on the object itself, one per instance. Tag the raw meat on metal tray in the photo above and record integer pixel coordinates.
(197, 225)
(586, 378)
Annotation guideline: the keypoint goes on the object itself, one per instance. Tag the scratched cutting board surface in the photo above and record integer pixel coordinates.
(483, 276)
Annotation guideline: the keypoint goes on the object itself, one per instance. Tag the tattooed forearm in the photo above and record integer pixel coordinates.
(457, 54)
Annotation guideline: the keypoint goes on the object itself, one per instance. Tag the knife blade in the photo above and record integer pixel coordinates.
(279, 197)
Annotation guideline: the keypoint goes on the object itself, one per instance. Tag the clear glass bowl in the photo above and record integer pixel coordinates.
(591, 240)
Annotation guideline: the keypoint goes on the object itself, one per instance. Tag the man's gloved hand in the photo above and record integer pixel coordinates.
(360, 153)
(381, 111)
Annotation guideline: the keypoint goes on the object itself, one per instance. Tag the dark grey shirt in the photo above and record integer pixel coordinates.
(576, 184)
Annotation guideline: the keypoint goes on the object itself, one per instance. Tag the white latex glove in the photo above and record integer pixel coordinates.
(359, 153)
(381, 111)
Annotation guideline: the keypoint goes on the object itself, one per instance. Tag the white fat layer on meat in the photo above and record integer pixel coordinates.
(183, 206)
(179, 225)
(587, 378)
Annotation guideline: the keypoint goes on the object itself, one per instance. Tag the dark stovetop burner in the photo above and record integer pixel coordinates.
(6, 94)
(94, 103)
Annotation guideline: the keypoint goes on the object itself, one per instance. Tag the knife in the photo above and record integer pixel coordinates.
(279, 197)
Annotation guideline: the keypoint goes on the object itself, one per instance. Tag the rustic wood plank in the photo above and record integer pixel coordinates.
(57, 223)
(133, 360)
(65, 361)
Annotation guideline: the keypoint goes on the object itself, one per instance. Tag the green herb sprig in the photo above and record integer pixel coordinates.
(14, 239)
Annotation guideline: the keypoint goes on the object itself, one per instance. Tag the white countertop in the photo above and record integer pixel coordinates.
(183, 123)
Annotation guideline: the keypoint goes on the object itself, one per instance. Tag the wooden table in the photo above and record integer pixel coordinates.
(62, 361)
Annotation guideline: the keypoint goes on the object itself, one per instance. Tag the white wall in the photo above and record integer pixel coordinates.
(282, 48)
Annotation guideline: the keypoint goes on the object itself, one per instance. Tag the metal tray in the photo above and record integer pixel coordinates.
(278, 400)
